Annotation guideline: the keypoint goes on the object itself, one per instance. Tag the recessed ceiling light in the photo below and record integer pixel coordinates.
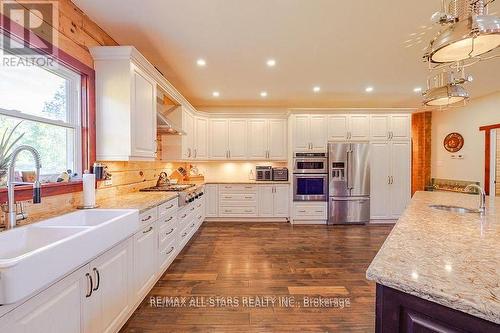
(263, 94)
(317, 89)
(216, 94)
(369, 89)
(201, 62)
(271, 63)
(417, 89)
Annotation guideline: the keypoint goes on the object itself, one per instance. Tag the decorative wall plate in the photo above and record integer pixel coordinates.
(453, 142)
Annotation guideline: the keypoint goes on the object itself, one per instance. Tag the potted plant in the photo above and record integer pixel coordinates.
(6, 145)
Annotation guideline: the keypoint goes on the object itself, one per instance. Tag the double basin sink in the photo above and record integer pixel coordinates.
(34, 256)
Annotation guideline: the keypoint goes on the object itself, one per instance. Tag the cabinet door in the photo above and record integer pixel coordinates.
(143, 116)
(145, 259)
(237, 139)
(257, 139)
(318, 132)
(212, 200)
(380, 171)
(337, 127)
(401, 177)
(188, 124)
(359, 127)
(218, 139)
(266, 200)
(379, 127)
(281, 201)
(201, 139)
(57, 309)
(111, 274)
(400, 126)
(300, 135)
(277, 146)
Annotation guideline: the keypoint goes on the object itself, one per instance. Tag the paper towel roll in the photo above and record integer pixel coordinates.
(88, 190)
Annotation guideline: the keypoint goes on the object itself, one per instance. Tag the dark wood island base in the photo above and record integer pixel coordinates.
(404, 313)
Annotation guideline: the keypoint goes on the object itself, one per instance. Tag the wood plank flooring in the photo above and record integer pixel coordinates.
(226, 263)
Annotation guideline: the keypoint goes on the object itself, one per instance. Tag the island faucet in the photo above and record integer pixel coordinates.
(482, 196)
(37, 194)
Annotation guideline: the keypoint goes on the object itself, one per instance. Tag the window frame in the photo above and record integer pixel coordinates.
(87, 105)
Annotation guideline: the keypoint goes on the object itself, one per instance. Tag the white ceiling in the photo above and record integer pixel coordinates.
(342, 46)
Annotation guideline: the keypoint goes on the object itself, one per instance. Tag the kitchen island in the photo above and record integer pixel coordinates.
(438, 270)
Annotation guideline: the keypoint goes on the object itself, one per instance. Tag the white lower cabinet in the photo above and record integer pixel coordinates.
(211, 200)
(310, 211)
(273, 201)
(145, 259)
(391, 179)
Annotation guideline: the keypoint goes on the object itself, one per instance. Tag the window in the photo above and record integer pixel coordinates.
(47, 102)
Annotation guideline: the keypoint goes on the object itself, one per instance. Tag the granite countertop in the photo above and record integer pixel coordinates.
(447, 258)
(137, 200)
(251, 182)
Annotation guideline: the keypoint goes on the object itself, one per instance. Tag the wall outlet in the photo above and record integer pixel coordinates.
(108, 182)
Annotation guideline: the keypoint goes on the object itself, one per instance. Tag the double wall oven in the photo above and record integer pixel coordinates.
(310, 176)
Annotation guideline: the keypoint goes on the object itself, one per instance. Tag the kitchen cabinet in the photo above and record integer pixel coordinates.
(145, 259)
(110, 300)
(273, 201)
(188, 140)
(391, 178)
(211, 200)
(201, 138)
(390, 127)
(267, 139)
(309, 132)
(228, 139)
(125, 94)
(348, 127)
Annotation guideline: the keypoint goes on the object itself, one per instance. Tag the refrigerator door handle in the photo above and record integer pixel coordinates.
(349, 169)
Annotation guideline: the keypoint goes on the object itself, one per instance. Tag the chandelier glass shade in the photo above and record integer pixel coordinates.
(445, 95)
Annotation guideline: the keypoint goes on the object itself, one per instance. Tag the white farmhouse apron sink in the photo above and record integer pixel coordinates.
(34, 256)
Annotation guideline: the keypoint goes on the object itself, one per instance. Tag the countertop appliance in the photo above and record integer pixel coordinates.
(280, 174)
(310, 177)
(187, 192)
(264, 173)
(349, 183)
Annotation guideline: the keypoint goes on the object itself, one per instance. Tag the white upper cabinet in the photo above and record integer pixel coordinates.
(237, 140)
(125, 105)
(309, 132)
(348, 127)
(218, 138)
(267, 139)
(390, 127)
(188, 139)
(201, 138)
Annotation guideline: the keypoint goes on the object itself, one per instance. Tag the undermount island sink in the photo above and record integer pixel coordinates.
(36, 255)
(455, 209)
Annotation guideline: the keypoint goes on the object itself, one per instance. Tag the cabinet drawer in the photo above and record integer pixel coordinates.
(225, 188)
(148, 216)
(167, 220)
(238, 211)
(167, 233)
(224, 197)
(310, 211)
(168, 208)
(167, 253)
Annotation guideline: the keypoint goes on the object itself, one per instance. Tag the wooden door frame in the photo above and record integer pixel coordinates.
(487, 154)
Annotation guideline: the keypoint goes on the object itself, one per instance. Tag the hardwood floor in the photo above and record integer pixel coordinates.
(247, 262)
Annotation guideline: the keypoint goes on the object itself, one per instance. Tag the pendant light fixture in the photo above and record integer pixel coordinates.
(470, 32)
(445, 90)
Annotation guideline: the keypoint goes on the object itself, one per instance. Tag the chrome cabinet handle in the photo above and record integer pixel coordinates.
(192, 209)
(146, 231)
(183, 216)
(98, 279)
(184, 234)
(319, 211)
(392, 180)
(171, 206)
(168, 233)
(248, 211)
(170, 219)
(248, 197)
(192, 225)
(89, 277)
(195, 153)
(147, 218)
(199, 217)
(302, 211)
(165, 252)
(389, 180)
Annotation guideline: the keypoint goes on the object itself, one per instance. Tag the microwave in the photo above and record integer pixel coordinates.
(280, 174)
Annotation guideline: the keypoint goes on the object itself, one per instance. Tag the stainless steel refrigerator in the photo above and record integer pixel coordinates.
(349, 182)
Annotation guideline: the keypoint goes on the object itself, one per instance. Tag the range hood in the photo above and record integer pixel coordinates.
(164, 124)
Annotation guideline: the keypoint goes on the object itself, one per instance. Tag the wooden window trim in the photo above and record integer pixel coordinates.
(11, 28)
(487, 154)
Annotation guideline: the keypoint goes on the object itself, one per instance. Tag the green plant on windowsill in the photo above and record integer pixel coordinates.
(6, 145)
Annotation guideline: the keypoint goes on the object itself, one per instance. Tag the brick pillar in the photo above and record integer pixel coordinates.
(421, 150)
